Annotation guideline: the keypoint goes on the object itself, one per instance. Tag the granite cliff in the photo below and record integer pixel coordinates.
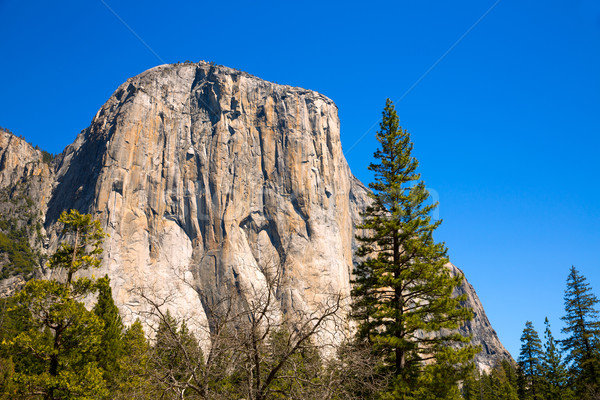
(203, 176)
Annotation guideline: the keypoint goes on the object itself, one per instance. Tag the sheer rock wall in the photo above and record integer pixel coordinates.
(205, 177)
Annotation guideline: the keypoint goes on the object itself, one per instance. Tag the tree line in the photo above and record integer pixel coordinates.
(555, 369)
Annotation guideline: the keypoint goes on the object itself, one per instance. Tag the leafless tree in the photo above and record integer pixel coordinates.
(255, 351)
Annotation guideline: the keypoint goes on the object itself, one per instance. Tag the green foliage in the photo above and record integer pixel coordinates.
(49, 322)
(8, 387)
(177, 358)
(83, 246)
(21, 257)
(64, 336)
(582, 328)
(554, 372)
(499, 384)
(111, 348)
(18, 226)
(529, 363)
(299, 376)
(403, 292)
(438, 380)
(134, 381)
(355, 372)
(47, 157)
(565, 372)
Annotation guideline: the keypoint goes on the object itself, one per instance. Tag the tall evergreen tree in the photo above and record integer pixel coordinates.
(582, 328)
(554, 372)
(403, 291)
(529, 363)
(111, 343)
(134, 379)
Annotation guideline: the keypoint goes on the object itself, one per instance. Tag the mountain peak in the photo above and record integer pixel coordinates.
(205, 177)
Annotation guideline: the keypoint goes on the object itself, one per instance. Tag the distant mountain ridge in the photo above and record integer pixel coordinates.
(203, 175)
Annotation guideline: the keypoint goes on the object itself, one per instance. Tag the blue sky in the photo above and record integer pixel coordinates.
(506, 125)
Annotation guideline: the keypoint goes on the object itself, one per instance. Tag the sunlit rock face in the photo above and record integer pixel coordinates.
(25, 187)
(205, 177)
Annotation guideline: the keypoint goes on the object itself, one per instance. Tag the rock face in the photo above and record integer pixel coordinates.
(492, 350)
(204, 176)
(25, 187)
(21, 164)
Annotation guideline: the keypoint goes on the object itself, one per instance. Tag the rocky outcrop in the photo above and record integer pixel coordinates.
(21, 164)
(26, 179)
(204, 176)
(480, 329)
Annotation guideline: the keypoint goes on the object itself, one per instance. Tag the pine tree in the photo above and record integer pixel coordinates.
(499, 384)
(529, 363)
(582, 328)
(554, 372)
(83, 248)
(510, 373)
(111, 343)
(472, 389)
(177, 358)
(502, 384)
(134, 379)
(166, 346)
(63, 334)
(403, 291)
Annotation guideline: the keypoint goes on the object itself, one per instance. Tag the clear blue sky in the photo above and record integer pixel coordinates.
(506, 125)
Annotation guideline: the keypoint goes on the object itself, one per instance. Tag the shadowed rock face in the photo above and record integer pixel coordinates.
(204, 176)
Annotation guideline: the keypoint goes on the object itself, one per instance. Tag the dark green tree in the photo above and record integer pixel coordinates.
(8, 389)
(582, 329)
(554, 372)
(498, 384)
(402, 290)
(63, 335)
(111, 349)
(472, 389)
(530, 363)
(13, 321)
(509, 372)
(177, 359)
(134, 367)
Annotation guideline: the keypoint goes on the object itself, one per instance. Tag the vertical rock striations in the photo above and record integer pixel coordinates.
(205, 176)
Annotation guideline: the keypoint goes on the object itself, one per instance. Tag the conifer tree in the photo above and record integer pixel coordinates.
(62, 333)
(502, 384)
(177, 358)
(134, 380)
(499, 384)
(111, 344)
(510, 373)
(582, 328)
(403, 291)
(529, 363)
(472, 389)
(554, 372)
(83, 246)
